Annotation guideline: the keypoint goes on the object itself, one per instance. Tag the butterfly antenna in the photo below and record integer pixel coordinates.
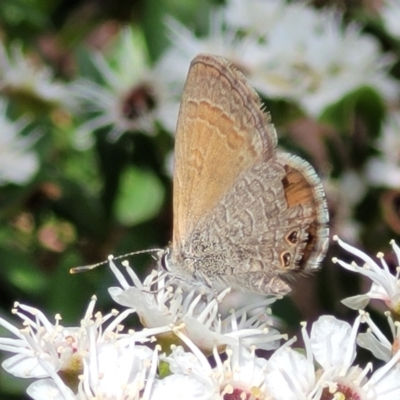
(83, 268)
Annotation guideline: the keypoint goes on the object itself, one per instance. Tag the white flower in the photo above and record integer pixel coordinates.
(332, 344)
(345, 193)
(384, 384)
(384, 170)
(192, 370)
(18, 163)
(246, 53)
(60, 354)
(118, 371)
(132, 96)
(390, 13)
(375, 341)
(41, 345)
(241, 375)
(160, 301)
(315, 61)
(304, 55)
(292, 375)
(110, 371)
(180, 387)
(255, 16)
(385, 285)
(21, 76)
(50, 389)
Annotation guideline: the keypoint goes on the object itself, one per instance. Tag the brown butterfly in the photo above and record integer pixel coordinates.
(246, 216)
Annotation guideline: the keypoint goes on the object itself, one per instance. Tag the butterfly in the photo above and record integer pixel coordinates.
(246, 215)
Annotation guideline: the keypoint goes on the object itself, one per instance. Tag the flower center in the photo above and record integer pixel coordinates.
(139, 101)
(342, 393)
(239, 394)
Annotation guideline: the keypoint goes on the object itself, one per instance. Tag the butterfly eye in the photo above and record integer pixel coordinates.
(286, 258)
(293, 237)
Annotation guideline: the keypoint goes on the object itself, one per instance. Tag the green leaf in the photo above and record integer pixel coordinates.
(82, 208)
(363, 103)
(20, 272)
(140, 197)
(358, 117)
(70, 294)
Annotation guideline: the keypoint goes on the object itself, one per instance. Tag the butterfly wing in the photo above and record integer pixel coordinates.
(245, 216)
(220, 132)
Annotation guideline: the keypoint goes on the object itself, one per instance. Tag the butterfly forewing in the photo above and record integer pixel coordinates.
(220, 132)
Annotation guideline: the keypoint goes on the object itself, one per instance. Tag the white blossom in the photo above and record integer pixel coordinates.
(384, 170)
(385, 284)
(131, 97)
(288, 51)
(390, 14)
(18, 161)
(19, 74)
(160, 302)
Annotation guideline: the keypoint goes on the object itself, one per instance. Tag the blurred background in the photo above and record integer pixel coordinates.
(89, 97)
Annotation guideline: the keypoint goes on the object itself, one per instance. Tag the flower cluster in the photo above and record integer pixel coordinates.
(289, 51)
(187, 350)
